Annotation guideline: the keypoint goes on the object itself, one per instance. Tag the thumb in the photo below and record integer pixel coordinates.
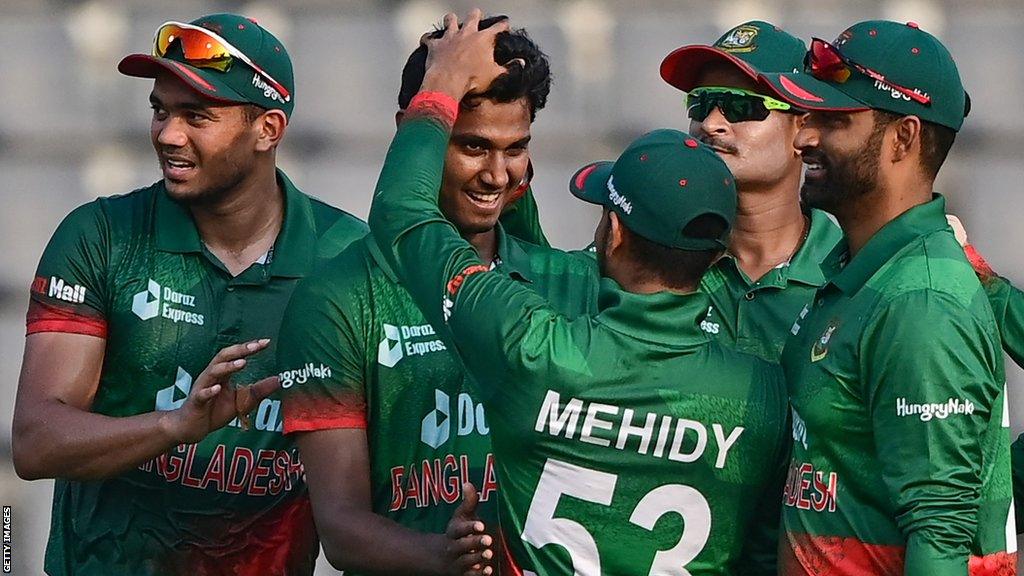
(470, 500)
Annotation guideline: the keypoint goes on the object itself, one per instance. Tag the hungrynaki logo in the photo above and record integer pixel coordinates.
(55, 287)
(435, 428)
(402, 341)
(302, 375)
(158, 300)
(268, 90)
(617, 198)
(941, 411)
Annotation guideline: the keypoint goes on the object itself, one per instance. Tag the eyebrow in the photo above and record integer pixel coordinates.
(191, 106)
(473, 139)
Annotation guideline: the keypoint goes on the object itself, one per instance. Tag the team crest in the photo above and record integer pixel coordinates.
(740, 39)
(820, 348)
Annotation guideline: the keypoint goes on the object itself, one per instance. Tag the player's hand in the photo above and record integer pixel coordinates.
(981, 267)
(461, 62)
(213, 401)
(467, 549)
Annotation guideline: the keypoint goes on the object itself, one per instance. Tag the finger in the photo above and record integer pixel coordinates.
(470, 499)
(222, 370)
(206, 394)
(240, 350)
(468, 545)
(499, 27)
(451, 24)
(425, 39)
(473, 20)
(461, 528)
(248, 397)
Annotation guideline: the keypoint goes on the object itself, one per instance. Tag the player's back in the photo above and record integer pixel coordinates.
(639, 449)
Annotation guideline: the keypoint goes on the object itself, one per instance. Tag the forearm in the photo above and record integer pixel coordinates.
(923, 558)
(55, 440)
(365, 542)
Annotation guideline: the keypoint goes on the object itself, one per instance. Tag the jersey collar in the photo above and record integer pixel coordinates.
(824, 234)
(294, 249)
(661, 318)
(884, 245)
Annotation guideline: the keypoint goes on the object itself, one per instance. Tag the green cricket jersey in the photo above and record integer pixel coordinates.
(356, 352)
(755, 316)
(522, 220)
(132, 269)
(900, 461)
(626, 442)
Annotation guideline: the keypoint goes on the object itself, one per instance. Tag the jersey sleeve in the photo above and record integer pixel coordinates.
(522, 220)
(499, 327)
(70, 291)
(1007, 303)
(319, 352)
(926, 352)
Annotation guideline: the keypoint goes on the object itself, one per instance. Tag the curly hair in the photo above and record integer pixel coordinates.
(532, 81)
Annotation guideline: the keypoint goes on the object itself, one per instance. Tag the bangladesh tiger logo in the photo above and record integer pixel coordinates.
(820, 348)
(740, 39)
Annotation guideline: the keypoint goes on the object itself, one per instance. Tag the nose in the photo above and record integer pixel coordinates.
(715, 123)
(807, 137)
(169, 132)
(495, 173)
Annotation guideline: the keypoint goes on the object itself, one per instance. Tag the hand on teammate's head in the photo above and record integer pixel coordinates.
(461, 61)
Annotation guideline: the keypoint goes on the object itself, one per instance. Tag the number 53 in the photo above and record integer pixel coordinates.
(558, 478)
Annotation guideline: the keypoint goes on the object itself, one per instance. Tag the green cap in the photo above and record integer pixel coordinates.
(240, 83)
(662, 182)
(905, 56)
(752, 47)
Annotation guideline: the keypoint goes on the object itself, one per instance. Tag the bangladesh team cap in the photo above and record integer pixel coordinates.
(752, 47)
(882, 65)
(224, 57)
(662, 182)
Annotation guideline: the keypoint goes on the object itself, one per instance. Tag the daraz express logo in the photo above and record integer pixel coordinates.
(402, 341)
(162, 301)
(436, 427)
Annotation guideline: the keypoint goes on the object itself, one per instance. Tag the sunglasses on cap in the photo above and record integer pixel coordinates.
(736, 104)
(203, 48)
(825, 62)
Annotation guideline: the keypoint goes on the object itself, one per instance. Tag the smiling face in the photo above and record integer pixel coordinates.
(486, 162)
(758, 153)
(205, 149)
(842, 153)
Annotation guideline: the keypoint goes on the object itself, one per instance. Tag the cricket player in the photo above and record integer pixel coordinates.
(391, 432)
(626, 441)
(772, 268)
(900, 432)
(119, 399)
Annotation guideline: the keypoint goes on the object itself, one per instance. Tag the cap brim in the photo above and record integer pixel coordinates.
(202, 81)
(809, 93)
(590, 183)
(683, 65)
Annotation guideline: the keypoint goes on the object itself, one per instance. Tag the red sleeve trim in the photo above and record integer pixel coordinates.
(981, 267)
(435, 104)
(354, 421)
(46, 318)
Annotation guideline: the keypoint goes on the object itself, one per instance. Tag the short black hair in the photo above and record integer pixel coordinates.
(936, 141)
(675, 267)
(532, 81)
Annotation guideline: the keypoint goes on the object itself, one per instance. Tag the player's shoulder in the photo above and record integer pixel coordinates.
(335, 228)
(117, 215)
(934, 266)
(552, 261)
(346, 274)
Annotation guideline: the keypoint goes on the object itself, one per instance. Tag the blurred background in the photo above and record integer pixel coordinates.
(72, 128)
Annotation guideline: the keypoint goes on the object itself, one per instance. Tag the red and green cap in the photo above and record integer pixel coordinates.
(663, 181)
(254, 67)
(753, 47)
(881, 65)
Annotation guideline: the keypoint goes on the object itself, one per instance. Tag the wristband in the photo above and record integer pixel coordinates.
(435, 104)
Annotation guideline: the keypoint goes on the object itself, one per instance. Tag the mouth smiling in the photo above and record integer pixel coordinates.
(484, 200)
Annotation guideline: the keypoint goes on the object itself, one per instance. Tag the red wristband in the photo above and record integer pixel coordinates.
(436, 104)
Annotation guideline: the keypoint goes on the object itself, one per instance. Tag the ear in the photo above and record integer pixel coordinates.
(398, 118)
(272, 125)
(906, 139)
(616, 234)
